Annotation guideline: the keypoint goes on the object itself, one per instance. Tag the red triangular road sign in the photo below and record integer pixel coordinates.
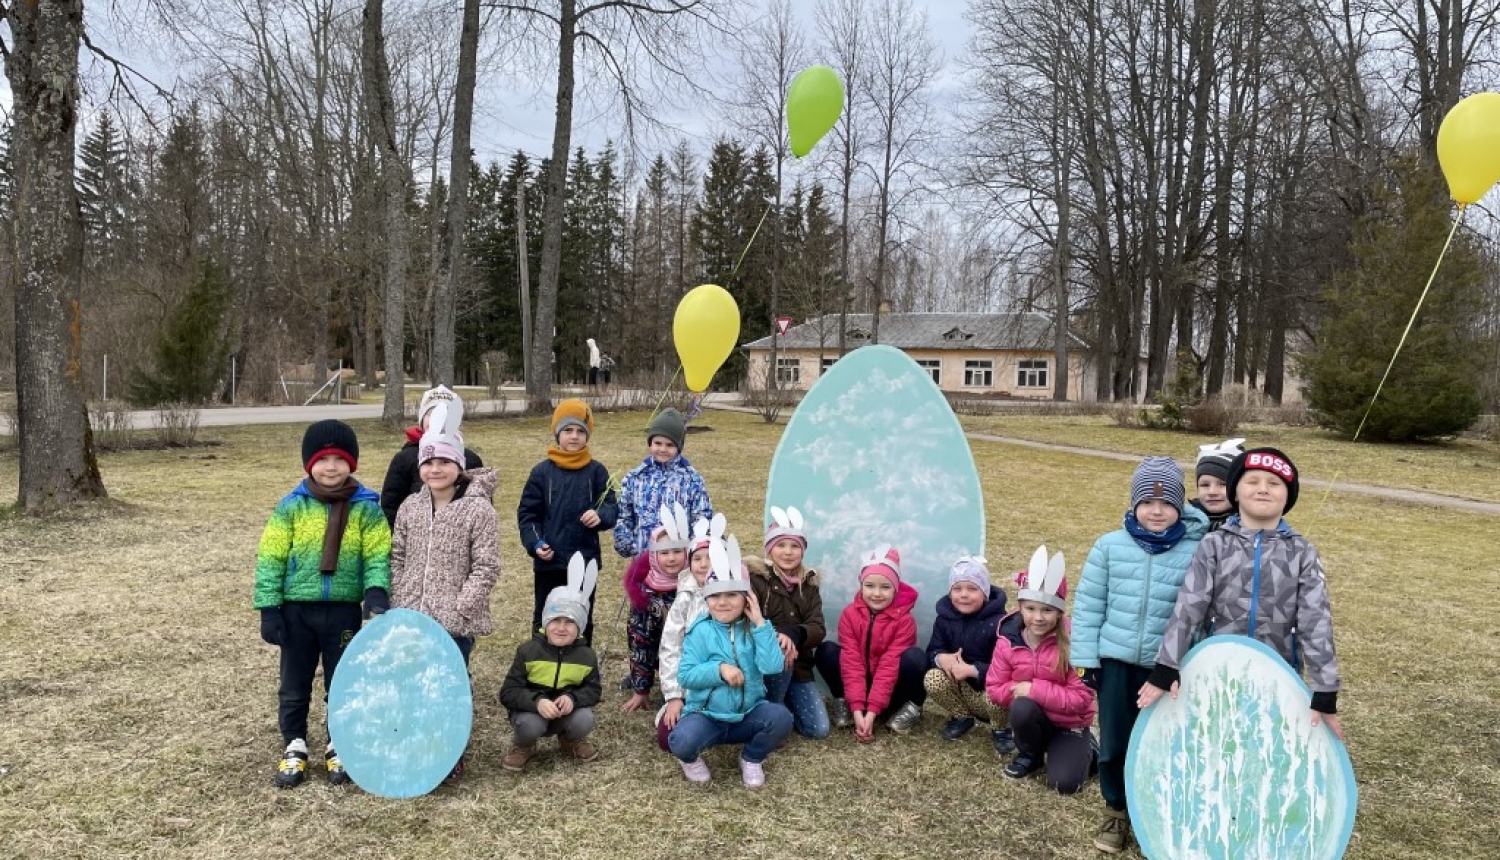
(782, 324)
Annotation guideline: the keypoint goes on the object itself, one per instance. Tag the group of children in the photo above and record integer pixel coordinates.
(736, 644)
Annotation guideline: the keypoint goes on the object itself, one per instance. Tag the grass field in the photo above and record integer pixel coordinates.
(137, 703)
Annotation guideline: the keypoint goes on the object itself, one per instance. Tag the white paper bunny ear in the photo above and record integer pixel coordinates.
(576, 572)
(1056, 571)
(780, 518)
(719, 525)
(794, 518)
(680, 516)
(736, 564)
(785, 523)
(590, 581)
(700, 530)
(674, 521)
(1036, 572)
(728, 568)
(1044, 581)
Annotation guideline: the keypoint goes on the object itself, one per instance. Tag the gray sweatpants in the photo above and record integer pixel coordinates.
(530, 727)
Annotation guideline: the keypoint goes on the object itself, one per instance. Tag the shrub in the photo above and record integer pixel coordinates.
(113, 426)
(177, 425)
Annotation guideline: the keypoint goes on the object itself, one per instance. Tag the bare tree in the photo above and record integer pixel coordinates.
(458, 197)
(841, 26)
(58, 468)
(393, 181)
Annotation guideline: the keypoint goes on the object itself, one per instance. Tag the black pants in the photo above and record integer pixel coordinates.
(543, 581)
(1119, 686)
(313, 631)
(908, 687)
(1068, 752)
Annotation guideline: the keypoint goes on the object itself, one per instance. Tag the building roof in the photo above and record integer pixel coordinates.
(1024, 331)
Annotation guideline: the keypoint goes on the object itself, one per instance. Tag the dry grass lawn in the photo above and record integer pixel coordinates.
(137, 703)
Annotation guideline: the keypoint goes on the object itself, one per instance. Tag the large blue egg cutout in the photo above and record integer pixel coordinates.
(1233, 769)
(874, 455)
(400, 707)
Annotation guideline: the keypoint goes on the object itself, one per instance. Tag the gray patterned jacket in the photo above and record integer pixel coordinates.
(1292, 614)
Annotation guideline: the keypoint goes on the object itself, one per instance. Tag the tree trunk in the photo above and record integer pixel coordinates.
(58, 468)
(539, 378)
(382, 114)
(455, 254)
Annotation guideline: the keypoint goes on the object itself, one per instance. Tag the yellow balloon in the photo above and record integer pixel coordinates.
(1468, 146)
(705, 329)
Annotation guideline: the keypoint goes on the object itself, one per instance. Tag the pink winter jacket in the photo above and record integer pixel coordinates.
(870, 646)
(445, 565)
(1064, 698)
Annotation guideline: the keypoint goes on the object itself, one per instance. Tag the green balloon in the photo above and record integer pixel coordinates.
(813, 105)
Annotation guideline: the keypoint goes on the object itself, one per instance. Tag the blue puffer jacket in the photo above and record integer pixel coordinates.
(974, 634)
(708, 644)
(1126, 596)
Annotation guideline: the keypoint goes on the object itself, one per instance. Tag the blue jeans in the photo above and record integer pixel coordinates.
(761, 731)
(809, 714)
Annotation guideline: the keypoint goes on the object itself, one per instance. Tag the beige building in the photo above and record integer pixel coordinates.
(1002, 355)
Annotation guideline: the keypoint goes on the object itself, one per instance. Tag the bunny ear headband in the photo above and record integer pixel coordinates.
(1044, 581)
(706, 532)
(1226, 450)
(675, 522)
(572, 600)
(785, 524)
(441, 438)
(728, 572)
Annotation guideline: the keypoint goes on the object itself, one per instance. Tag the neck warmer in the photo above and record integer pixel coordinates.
(1154, 542)
(571, 460)
(338, 517)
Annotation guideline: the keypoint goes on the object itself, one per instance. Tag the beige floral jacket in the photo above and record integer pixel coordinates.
(446, 564)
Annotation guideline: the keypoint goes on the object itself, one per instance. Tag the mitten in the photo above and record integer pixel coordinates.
(376, 601)
(272, 627)
(1090, 678)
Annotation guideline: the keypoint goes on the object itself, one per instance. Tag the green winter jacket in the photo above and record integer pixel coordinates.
(542, 671)
(286, 562)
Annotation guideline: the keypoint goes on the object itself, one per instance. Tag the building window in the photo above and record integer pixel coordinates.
(934, 369)
(979, 373)
(789, 370)
(827, 363)
(1031, 373)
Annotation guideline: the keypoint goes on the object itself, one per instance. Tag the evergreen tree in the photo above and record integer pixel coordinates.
(106, 190)
(1431, 390)
(496, 325)
(191, 352)
(179, 220)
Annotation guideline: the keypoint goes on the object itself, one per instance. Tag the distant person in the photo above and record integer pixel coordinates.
(567, 501)
(594, 362)
(325, 549)
(402, 477)
(445, 554)
(606, 369)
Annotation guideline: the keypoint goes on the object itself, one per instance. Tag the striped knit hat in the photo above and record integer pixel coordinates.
(1157, 478)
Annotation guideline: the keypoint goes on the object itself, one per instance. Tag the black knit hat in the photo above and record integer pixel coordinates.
(329, 436)
(669, 423)
(1266, 460)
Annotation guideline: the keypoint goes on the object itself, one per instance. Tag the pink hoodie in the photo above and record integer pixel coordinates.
(1064, 698)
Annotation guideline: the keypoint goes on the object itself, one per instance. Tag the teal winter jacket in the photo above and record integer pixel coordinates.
(709, 644)
(1126, 596)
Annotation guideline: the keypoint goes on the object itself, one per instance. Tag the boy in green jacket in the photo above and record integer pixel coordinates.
(326, 547)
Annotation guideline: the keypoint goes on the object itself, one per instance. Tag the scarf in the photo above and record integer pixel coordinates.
(1152, 542)
(338, 517)
(656, 580)
(793, 580)
(571, 460)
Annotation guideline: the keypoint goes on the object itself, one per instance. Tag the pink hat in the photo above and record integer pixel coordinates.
(785, 524)
(882, 561)
(441, 446)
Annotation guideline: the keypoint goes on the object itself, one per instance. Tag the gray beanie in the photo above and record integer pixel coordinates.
(669, 423)
(1157, 478)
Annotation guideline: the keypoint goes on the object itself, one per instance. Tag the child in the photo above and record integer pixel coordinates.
(688, 605)
(326, 547)
(553, 683)
(958, 653)
(875, 669)
(651, 586)
(1050, 707)
(789, 597)
(1129, 584)
(663, 479)
(402, 478)
(1211, 473)
(567, 501)
(1257, 577)
(725, 658)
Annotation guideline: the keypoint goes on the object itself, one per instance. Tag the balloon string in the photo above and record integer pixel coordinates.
(1409, 323)
(664, 392)
(753, 234)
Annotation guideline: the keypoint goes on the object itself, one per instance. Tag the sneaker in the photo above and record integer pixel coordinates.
(456, 774)
(696, 771)
(753, 774)
(516, 758)
(292, 769)
(1023, 766)
(905, 719)
(581, 750)
(957, 727)
(1004, 741)
(1114, 831)
(336, 773)
(843, 718)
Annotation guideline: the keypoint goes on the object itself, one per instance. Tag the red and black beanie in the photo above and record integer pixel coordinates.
(1265, 460)
(329, 436)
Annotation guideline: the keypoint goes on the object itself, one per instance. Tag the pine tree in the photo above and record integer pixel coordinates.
(105, 189)
(191, 351)
(1431, 390)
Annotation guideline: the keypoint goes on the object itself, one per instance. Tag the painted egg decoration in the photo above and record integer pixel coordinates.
(875, 456)
(400, 707)
(1234, 769)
